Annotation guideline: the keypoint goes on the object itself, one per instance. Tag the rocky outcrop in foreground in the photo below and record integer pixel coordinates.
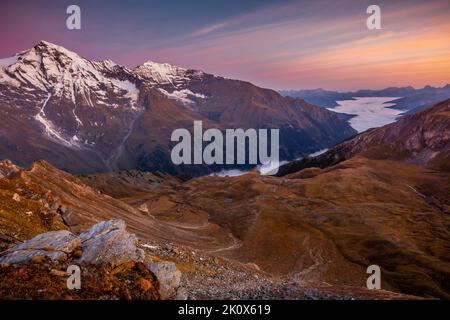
(105, 250)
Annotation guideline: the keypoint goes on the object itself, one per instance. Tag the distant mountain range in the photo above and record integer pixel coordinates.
(409, 99)
(86, 116)
(422, 138)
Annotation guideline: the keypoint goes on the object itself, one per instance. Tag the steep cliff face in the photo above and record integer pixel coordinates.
(88, 116)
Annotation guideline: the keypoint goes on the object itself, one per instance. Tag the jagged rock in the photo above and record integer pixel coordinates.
(55, 245)
(169, 278)
(108, 242)
(16, 197)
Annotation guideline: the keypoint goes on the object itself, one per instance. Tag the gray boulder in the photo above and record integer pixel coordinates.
(54, 244)
(109, 242)
(169, 278)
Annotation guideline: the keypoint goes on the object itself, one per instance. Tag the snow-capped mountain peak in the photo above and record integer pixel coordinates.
(70, 94)
(162, 73)
(53, 69)
(171, 80)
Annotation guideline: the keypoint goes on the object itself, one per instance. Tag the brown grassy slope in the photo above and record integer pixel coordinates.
(123, 184)
(26, 210)
(322, 226)
(329, 227)
(82, 206)
(42, 279)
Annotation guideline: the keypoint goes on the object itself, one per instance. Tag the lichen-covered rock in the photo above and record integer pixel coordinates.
(105, 245)
(169, 278)
(54, 244)
(108, 242)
